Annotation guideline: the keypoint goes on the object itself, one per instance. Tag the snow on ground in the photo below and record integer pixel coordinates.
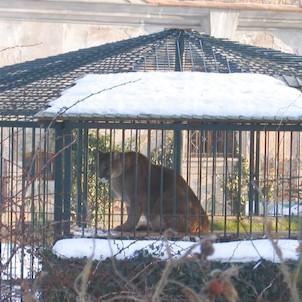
(18, 261)
(179, 94)
(235, 251)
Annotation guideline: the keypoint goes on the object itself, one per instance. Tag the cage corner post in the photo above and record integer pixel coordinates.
(58, 181)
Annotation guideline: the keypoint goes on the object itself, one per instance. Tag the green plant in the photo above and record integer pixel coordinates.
(232, 224)
(236, 187)
(164, 155)
(85, 186)
(238, 184)
(86, 189)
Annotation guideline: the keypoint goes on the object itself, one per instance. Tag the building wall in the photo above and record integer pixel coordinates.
(282, 40)
(36, 30)
(30, 40)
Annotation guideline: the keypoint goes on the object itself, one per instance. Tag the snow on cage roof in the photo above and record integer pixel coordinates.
(179, 95)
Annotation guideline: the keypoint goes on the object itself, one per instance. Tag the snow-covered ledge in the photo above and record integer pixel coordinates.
(236, 251)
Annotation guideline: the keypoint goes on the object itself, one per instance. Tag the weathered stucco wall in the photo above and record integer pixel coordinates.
(30, 40)
(290, 42)
(31, 29)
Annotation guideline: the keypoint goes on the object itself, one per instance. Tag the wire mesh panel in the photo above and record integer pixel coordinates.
(248, 179)
(243, 178)
(26, 201)
(236, 180)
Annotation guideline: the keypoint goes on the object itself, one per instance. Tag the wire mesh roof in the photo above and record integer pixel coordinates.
(27, 88)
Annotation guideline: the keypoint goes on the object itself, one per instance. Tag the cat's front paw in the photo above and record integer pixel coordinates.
(124, 228)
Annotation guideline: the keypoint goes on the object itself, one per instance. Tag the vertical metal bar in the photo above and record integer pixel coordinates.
(58, 185)
(11, 197)
(45, 181)
(205, 151)
(257, 176)
(161, 183)
(110, 210)
(200, 176)
(264, 198)
(67, 182)
(85, 179)
(156, 58)
(123, 175)
(284, 177)
(228, 65)
(215, 60)
(188, 179)
(136, 179)
(177, 156)
(199, 163)
(238, 199)
(49, 176)
(176, 167)
(284, 180)
(149, 136)
(97, 187)
(277, 177)
(168, 56)
(23, 197)
(35, 152)
(35, 164)
(145, 63)
(79, 163)
(225, 177)
(203, 56)
(290, 182)
(213, 147)
(179, 52)
(191, 57)
(251, 178)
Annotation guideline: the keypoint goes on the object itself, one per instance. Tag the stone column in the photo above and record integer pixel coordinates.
(221, 23)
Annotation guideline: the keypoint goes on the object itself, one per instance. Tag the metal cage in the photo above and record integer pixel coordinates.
(247, 173)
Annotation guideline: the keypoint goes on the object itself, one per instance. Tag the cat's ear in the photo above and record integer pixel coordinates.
(116, 155)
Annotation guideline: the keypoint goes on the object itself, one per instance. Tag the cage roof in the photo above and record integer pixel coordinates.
(27, 88)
